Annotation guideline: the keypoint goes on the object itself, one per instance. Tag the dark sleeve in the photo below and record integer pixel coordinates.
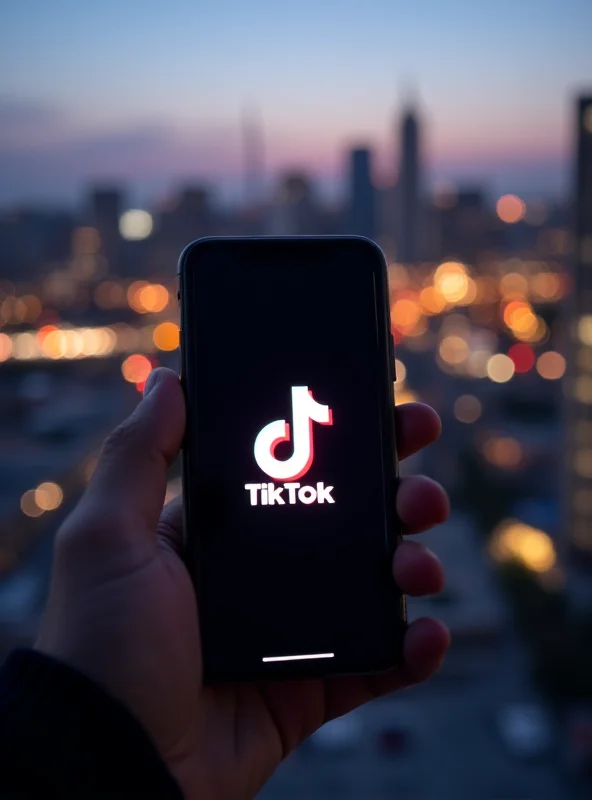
(63, 736)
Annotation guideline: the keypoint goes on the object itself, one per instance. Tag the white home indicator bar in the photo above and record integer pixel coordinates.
(304, 657)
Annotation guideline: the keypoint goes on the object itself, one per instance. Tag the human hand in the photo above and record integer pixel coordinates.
(122, 610)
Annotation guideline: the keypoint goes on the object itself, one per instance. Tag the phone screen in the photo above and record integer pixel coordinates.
(289, 458)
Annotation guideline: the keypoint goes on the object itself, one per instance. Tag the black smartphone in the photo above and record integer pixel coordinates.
(290, 468)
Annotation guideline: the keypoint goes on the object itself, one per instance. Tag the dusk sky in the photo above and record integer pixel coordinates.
(151, 93)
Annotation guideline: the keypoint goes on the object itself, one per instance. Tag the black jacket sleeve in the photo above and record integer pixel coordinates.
(63, 736)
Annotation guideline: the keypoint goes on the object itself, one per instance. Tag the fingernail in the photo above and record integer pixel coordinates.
(151, 382)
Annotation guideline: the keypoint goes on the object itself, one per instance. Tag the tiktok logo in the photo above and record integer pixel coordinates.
(305, 411)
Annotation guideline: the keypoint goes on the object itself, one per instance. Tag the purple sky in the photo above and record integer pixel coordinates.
(151, 94)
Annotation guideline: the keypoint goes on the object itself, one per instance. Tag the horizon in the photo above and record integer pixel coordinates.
(153, 99)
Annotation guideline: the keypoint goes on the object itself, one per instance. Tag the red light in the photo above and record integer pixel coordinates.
(523, 357)
(141, 386)
(397, 335)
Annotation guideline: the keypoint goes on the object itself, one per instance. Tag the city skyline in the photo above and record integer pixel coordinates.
(151, 98)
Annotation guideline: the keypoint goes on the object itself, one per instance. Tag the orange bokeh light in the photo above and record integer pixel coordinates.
(136, 368)
(510, 209)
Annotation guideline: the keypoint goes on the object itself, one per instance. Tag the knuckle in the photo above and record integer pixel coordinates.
(122, 438)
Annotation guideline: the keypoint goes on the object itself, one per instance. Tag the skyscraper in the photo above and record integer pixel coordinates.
(106, 207)
(579, 414)
(294, 211)
(362, 202)
(254, 159)
(408, 190)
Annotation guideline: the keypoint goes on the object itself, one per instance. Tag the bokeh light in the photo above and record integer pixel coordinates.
(453, 349)
(514, 541)
(48, 496)
(29, 505)
(166, 336)
(510, 208)
(467, 408)
(400, 372)
(523, 357)
(135, 224)
(503, 451)
(5, 347)
(452, 281)
(136, 368)
(551, 365)
(500, 368)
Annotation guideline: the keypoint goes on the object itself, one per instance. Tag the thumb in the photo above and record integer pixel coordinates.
(131, 475)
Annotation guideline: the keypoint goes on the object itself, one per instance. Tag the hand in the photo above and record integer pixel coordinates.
(122, 610)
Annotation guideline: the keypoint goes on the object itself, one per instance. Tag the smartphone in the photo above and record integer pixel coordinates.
(290, 469)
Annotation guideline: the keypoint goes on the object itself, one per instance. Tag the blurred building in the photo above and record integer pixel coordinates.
(254, 160)
(32, 240)
(408, 190)
(294, 211)
(362, 202)
(461, 220)
(106, 207)
(579, 411)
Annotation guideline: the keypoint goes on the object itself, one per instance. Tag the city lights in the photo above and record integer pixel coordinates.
(147, 298)
(166, 336)
(5, 347)
(431, 301)
(523, 357)
(136, 368)
(585, 329)
(135, 224)
(48, 496)
(453, 349)
(503, 451)
(400, 372)
(500, 368)
(551, 365)
(29, 505)
(510, 209)
(452, 281)
(531, 547)
(467, 408)
(583, 389)
(405, 314)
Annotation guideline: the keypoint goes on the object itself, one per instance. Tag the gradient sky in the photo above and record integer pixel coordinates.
(151, 92)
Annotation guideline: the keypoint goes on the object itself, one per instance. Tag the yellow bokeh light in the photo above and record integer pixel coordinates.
(515, 541)
(585, 329)
(453, 349)
(166, 336)
(583, 389)
(510, 209)
(136, 368)
(404, 395)
(546, 286)
(583, 462)
(32, 308)
(513, 286)
(451, 281)
(431, 301)
(24, 346)
(551, 365)
(48, 496)
(405, 313)
(500, 368)
(154, 297)
(29, 505)
(467, 408)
